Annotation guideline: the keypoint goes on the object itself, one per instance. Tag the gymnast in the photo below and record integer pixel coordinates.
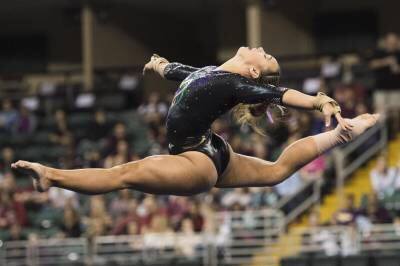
(200, 159)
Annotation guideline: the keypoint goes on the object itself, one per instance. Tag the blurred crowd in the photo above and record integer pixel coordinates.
(105, 142)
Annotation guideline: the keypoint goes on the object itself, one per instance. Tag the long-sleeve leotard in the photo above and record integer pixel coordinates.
(178, 71)
(204, 95)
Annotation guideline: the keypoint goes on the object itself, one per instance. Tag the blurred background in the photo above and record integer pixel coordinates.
(72, 96)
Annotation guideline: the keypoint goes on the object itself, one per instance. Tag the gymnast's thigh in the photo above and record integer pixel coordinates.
(187, 173)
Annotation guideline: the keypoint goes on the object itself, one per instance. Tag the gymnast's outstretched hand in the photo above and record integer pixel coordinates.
(329, 110)
(323, 103)
(156, 64)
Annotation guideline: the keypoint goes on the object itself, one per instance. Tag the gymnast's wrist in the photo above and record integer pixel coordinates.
(322, 99)
(160, 66)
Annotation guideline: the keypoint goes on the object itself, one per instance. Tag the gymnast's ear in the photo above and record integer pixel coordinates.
(254, 72)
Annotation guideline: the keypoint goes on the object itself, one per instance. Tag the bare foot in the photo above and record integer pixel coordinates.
(360, 124)
(35, 170)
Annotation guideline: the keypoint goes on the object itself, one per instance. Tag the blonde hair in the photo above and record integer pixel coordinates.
(243, 115)
(253, 114)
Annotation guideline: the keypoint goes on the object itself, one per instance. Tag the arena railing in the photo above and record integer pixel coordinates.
(237, 237)
(309, 194)
(349, 158)
(345, 240)
(44, 252)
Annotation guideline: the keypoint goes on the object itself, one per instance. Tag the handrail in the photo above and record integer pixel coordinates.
(243, 234)
(309, 201)
(380, 237)
(312, 199)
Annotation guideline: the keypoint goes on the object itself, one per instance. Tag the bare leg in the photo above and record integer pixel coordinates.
(185, 174)
(249, 171)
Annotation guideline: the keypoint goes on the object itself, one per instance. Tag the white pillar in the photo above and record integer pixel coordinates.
(87, 46)
(253, 23)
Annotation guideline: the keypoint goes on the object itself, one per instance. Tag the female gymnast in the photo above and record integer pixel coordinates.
(199, 159)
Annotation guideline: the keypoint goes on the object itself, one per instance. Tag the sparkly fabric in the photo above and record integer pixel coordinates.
(177, 71)
(204, 95)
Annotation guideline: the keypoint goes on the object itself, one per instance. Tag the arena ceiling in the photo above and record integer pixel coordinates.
(165, 5)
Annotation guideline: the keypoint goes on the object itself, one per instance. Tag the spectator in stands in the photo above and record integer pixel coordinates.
(18, 198)
(121, 156)
(188, 241)
(147, 209)
(396, 224)
(314, 170)
(396, 174)
(92, 158)
(347, 100)
(128, 221)
(129, 81)
(319, 237)
(263, 197)
(11, 210)
(121, 203)
(330, 67)
(16, 233)
(119, 133)
(154, 110)
(176, 208)
(8, 116)
(361, 108)
(313, 85)
(98, 221)
(382, 178)
(26, 121)
(47, 88)
(375, 212)
(385, 62)
(71, 226)
(348, 214)
(61, 135)
(158, 234)
(100, 127)
(159, 224)
(59, 198)
(290, 186)
(238, 196)
(7, 157)
(195, 215)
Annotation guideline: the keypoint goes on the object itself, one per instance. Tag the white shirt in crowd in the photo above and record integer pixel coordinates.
(59, 197)
(290, 186)
(384, 183)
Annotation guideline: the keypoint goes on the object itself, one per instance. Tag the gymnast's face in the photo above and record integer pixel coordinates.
(259, 62)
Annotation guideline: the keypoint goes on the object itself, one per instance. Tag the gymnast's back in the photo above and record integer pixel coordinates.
(205, 94)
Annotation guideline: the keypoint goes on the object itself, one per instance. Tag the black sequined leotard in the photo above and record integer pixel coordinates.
(203, 95)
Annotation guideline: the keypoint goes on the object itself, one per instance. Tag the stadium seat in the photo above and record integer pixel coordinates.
(41, 138)
(355, 260)
(325, 261)
(80, 119)
(296, 261)
(387, 260)
(113, 101)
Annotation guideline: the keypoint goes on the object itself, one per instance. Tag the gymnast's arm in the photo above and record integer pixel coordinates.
(178, 71)
(252, 93)
(171, 71)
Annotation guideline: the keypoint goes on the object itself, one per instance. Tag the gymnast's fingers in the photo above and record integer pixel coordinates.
(327, 120)
(343, 123)
(147, 67)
